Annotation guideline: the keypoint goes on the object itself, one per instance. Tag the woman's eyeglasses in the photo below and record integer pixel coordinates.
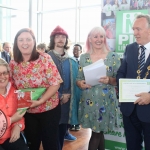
(5, 73)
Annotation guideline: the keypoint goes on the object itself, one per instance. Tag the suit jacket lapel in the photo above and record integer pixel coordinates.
(145, 67)
(2, 55)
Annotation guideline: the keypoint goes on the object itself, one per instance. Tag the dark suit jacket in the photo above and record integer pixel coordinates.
(128, 69)
(5, 56)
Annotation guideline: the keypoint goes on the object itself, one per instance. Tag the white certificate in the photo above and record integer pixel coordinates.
(129, 87)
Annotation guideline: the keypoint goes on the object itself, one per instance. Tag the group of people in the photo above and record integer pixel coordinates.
(112, 6)
(117, 5)
(139, 4)
(68, 98)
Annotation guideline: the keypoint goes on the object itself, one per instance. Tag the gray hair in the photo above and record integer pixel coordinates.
(146, 16)
(4, 63)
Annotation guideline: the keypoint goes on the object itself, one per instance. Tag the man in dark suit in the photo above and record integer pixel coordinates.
(7, 47)
(136, 116)
(5, 56)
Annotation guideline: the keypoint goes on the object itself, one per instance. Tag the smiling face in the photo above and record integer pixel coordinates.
(25, 43)
(141, 31)
(76, 51)
(97, 40)
(4, 77)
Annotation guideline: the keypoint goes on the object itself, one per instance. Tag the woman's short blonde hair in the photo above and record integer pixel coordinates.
(4, 63)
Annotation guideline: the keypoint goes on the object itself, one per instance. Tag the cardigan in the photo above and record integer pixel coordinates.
(69, 110)
(9, 106)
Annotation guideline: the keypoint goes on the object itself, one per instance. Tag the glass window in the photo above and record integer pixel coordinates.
(44, 20)
(58, 4)
(19, 4)
(5, 2)
(89, 18)
(16, 4)
(12, 21)
(65, 19)
(19, 20)
(35, 6)
(90, 2)
(34, 24)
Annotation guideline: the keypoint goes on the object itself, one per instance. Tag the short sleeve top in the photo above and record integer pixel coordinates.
(39, 73)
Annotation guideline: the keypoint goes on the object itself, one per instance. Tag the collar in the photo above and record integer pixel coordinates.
(7, 89)
(147, 46)
(7, 52)
(59, 55)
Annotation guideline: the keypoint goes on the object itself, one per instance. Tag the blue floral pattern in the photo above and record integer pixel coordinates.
(98, 106)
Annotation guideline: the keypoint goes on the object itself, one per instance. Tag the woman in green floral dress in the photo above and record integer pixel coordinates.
(98, 104)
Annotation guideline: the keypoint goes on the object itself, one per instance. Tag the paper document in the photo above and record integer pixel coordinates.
(129, 87)
(94, 72)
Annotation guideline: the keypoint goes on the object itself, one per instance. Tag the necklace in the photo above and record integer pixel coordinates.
(146, 74)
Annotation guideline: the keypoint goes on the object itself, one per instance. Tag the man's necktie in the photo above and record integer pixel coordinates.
(142, 58)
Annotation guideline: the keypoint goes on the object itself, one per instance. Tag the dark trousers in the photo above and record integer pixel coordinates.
(17, 145)
(1, 148)
(61, 134)
(136, 131)
(67, 130)
(42, 127)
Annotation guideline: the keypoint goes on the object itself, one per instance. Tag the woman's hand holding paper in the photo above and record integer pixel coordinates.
(82, 84)
(104, 80)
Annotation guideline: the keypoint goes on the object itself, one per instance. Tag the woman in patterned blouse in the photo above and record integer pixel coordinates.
(32, 69)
